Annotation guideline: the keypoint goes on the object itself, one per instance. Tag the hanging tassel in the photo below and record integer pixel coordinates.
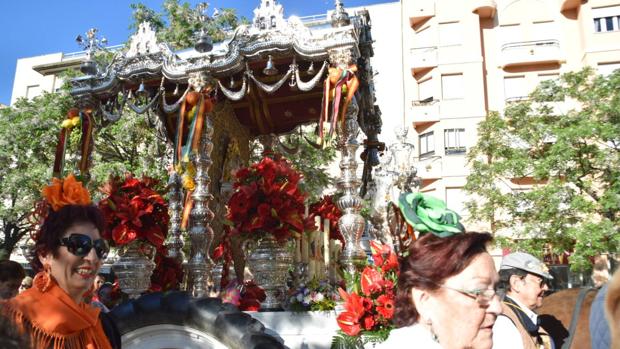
(61, 146)
(86, 142)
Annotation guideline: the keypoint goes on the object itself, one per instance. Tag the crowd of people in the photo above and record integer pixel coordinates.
(449, 293)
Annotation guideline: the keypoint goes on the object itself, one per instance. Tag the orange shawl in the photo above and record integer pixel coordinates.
(55, 321)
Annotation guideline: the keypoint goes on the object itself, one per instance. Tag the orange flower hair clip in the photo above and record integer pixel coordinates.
(68, 191)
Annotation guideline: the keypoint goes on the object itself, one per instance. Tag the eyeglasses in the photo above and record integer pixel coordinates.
(541, 282)
(80, 245)
(483, 297)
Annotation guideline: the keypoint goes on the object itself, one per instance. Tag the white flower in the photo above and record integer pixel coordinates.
(318, 297)
(300, 297)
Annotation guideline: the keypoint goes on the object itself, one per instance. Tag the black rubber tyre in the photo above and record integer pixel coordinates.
(222, 321)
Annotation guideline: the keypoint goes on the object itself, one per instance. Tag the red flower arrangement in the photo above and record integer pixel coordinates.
(267, 198)
(133, 210)
(369, 308)
(246, 297)
(326, 208)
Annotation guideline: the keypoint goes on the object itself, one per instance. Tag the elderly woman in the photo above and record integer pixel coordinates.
(69, 252)
(446, 289)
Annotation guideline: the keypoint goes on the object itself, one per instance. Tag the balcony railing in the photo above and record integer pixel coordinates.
(531, 52)
(430, 167)
(485, 8)
(425, 112)
(421, 10)
(566, 5)
(423, 58)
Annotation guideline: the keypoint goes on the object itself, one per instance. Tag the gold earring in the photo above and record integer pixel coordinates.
(43, 280)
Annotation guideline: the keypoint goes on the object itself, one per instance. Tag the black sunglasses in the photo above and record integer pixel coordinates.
(80, 245)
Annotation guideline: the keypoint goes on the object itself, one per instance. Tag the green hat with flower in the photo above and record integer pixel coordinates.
(427, 214)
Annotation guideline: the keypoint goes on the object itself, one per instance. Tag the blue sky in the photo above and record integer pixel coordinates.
(35, 27)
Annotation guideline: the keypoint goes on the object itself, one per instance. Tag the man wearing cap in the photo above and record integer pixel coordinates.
(524, 278)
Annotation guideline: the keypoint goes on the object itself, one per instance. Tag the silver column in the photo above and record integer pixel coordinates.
(174, 242)
(351, 223)
(200, 232)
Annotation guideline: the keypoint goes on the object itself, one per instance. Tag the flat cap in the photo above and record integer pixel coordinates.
(526, 262)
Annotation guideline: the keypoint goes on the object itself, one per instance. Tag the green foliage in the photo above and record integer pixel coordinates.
(573, 157)
(28, 136)
(344, 341)
(177, 24)
(312, 163)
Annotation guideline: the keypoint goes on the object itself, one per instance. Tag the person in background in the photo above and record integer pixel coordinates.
(103, 297)
(446, 294)
(26, 284)
(69, 251)
(99, 280)
(10, 337)
(11, 276)
(524, 279)
(599, 325)
(612, 309)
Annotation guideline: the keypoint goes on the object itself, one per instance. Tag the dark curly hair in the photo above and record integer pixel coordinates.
(431, 260)
(47, 238)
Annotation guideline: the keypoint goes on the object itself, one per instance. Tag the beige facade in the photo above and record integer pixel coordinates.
(35, 75)
(467, 58)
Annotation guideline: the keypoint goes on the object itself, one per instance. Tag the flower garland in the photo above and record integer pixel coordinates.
(134, 211)
(369, 308)
(267, 198)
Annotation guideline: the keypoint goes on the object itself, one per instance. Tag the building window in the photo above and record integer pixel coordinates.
(450, 34)
(427, 144)
(33, 91)
(424, 38)
(510, 34)
(544, 30)
(425, 90)
(547, 77)
(606, 69)
(452, 86)
(606, 19)
(514, 88)
(454, 141)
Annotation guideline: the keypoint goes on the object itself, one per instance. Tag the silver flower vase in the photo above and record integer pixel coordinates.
(134, 267)
(268, 262)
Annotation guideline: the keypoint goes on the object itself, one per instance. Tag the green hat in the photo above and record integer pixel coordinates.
(428, 214)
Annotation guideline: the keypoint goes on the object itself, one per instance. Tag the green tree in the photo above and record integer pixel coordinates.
(571, 156)
(177, 23)
(28, 135)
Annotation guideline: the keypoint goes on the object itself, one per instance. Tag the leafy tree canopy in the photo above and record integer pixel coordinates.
(571, 157)
(177, 23)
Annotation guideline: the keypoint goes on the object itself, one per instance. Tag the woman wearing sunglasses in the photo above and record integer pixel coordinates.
(446, 288)
(69, 251)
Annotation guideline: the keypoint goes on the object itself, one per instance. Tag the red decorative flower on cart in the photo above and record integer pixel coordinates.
(267, 198)
(134, 210)
(369, 308)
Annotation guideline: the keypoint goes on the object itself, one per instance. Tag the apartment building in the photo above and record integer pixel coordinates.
(467, 58)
